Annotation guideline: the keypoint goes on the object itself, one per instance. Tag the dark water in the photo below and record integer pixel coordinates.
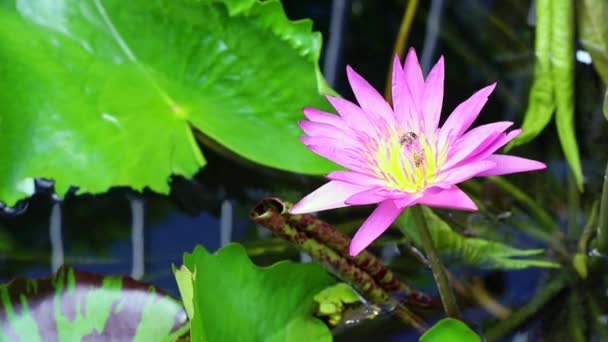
(483, 41)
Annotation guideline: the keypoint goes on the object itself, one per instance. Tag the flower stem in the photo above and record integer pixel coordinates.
(602, 222)
(441, 279)
(399, 48)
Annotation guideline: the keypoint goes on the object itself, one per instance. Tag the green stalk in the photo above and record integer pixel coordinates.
(399, 48)
(573, 207)
(602, 222)
(441, 279)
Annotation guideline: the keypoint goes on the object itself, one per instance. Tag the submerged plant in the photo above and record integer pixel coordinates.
(399, 157)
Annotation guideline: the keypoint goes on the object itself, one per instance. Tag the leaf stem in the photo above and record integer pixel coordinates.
(602, 222)
(441, 279)
(399, 48)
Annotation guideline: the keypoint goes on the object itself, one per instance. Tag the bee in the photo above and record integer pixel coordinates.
(408, 138)
(418, 156)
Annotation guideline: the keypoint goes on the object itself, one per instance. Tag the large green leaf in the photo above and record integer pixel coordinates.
(234, 300)
(75, 305)
(101, 93)
(593, 32)
(473, 251)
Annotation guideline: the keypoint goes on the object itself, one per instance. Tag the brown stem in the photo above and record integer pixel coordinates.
(368, 262)
(272, 214)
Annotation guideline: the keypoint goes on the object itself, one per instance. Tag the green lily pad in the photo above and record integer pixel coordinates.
(450, 329)
(103, 93)
(234, 300)
(75, 305)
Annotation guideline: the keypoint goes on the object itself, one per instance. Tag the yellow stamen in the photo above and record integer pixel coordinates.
(408, 161)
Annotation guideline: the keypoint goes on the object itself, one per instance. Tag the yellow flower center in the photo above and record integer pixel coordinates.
(408, 161)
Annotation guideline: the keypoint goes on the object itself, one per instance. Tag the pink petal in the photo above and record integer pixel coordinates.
(369, 196)
(369, 99)
(433, 97)
(465, 113)
(452, 198)
(379, 193)
(475, 140)
(511, 164)
(380, 219)
(352, 114)
(331, 142)
(465, 172)
(498, 143)
(355, 178)
(334, 150)
(320, 116)
(402, 101)
(317, 129)
(329, 196)
(414, 78)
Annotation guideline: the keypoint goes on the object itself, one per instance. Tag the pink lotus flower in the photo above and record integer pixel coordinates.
(399, 157)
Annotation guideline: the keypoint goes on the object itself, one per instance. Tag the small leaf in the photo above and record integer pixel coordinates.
(332, 299)
(75, 305)
(450, 329)
(234, 300)
(579, 262)
(473, 251)
(340, 292)
(184, 279)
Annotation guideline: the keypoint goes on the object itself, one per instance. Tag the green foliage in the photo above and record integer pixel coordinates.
(553, 85)
(541, 102)
(234, 300)
(331, 301)
(562, 70)
(184, 278)
(473, 251)
(605, 107)
(593, 33)
(103, 93)
(450, 329)
(74, 305)
(579, 262)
